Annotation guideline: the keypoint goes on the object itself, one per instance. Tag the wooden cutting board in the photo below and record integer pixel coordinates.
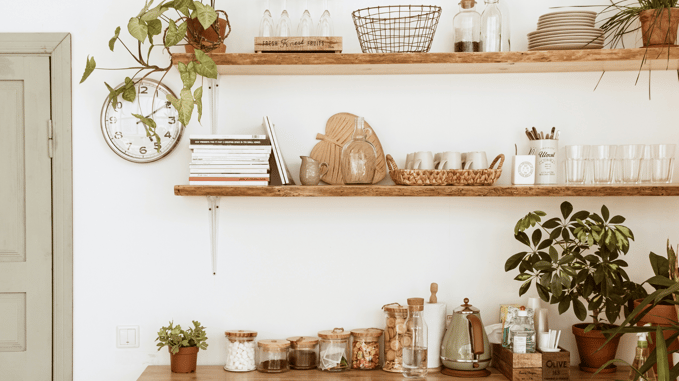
(338, 132)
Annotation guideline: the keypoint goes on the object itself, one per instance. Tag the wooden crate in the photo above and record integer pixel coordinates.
(298, 44)
(532, 366)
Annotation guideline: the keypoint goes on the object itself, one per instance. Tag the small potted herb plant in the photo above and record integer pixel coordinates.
(576, 261)
(183, 345)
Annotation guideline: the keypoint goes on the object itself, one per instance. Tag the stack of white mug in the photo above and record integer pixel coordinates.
(446, 160)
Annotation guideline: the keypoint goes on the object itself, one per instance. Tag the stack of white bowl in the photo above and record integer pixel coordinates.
(565, 31)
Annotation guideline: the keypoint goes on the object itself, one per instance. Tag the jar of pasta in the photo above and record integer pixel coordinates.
(334, 348)
(395, 336)
(365, 348)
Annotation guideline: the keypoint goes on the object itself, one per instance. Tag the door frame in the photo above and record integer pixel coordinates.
(58, 47)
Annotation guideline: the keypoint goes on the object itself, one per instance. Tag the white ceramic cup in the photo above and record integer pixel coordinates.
(409, 160)
(423, 160)
(476, 160)
(543, 340)
(450, 160)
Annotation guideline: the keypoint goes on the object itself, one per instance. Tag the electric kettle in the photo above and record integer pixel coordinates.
(465, 345)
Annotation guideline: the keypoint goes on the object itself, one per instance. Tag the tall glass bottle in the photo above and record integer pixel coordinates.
(640, 358)
(284, 27)
(359, 158)
(491, 27)
(266, 26)
(522, 334)
(467, 28)
(415, 341)
(325, 27)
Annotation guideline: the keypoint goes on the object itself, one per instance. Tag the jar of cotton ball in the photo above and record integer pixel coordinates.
(240, 351)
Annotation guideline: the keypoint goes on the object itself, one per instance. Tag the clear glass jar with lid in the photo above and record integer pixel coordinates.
(272, 356)
(394, 336)
(415, 353)
(240, 351)
(467, 28)
(334, 348)
(365, 349)
(303, 352)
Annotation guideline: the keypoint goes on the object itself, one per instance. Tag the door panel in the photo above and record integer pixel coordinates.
(25, 220)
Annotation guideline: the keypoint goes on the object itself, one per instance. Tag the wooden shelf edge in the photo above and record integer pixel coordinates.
(430, 191)
(441, 63)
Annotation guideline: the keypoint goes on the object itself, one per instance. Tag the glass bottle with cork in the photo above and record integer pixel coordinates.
(359, 157)
(522, 334)
(467, 28)
(491, 27)
(415, 341)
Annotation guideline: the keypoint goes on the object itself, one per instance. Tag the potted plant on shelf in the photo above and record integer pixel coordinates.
(211, 37)
(183, 345)
(659, 21)
(573, 259)
(155, 21)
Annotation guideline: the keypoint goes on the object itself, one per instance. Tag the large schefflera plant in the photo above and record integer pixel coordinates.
(575, 260)
(144, 27)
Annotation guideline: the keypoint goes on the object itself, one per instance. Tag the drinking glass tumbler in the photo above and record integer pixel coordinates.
(602, 157)
(645, 172)
(576, 162)
(662, 166)
(630, 156)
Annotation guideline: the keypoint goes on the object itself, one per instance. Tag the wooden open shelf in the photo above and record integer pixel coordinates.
(595, 60)
(216, 372)
(429, 191)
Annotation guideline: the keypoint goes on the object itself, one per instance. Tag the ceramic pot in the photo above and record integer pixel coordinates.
(209, 34)
(184, 361)
(660, 30)
(591, 358)
(660, 315)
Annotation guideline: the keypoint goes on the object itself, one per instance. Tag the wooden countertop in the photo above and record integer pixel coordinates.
(217, 372)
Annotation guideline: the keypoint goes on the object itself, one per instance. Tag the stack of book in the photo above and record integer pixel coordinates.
(229, 160)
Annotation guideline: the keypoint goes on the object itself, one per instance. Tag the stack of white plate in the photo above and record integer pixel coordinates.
(566, 30)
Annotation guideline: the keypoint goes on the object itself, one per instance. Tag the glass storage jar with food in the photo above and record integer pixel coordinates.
(240, 351)
(395, 337)
(365, 349)
(272, 356)
(334, 348)
(303, 352)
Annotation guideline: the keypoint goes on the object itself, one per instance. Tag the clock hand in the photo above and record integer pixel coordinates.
(151, 114)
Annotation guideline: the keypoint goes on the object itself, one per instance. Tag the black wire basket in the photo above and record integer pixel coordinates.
(396, 28)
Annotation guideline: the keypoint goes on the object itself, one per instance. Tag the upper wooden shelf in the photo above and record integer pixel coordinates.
(428, 191)
(595, 60)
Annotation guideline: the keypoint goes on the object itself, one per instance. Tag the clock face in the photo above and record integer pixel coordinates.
(126, 135)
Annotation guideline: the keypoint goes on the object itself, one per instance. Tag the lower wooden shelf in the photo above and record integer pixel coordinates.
(429, 191)
(217, 372)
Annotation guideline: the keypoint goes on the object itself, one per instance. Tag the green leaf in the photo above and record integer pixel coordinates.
(155, 27)
(556, 286)
(551, 223)
(553, 254)
(544, 244)
(187, 103)
(661, 355)
(112, 42)
(198, 96)
(147, 121)
(129, 92)
(617, 220)
(543, 293)
(566, 259)
(523, 277)
(563, 305)
(540, 213)
(625, 231)
(581, 215)
(523, 238)
(89, 68)
(206, 14)
(537, 236)
(113, 94)
(154, 13)
(514, 261)
(175, 34)
(579, 309)
(566, 209)
(207, 67)
(543, 266)
(137, 29)
(524, 288)
(604, 213)
(187, 74)
(555, 233)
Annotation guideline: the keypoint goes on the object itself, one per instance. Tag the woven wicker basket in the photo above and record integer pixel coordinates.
(446, 177)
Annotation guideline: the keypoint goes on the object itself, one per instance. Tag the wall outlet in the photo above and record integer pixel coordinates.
(127, 336)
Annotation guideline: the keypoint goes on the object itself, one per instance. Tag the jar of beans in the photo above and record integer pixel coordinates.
(395, 337)
(303, 352)
(334, 350)
(272, 356)
(365, 349)
(240, 351)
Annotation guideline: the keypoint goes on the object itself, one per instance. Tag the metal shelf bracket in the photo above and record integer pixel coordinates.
(213, 209)
(213, 89)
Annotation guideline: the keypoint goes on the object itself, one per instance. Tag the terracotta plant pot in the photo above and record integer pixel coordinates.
(591, 358)
(659, 315)
(184, 361)
(209, 34)
(661, 30)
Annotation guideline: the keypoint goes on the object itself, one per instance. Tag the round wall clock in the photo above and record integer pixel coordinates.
(126, 135)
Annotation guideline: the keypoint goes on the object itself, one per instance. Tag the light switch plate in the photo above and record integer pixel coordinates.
(127, 336)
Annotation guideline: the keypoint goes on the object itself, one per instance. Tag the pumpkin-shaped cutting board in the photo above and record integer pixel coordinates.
(338, 132)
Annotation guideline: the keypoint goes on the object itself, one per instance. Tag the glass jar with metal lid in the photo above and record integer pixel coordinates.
(303, 352)
(240, 351)
(395, 337)
(365, 349)
(272, 356)
(334, 348)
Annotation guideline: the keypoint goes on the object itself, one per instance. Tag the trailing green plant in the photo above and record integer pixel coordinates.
(576, 258)
(174, 337)
(149, 23)
(626, 12)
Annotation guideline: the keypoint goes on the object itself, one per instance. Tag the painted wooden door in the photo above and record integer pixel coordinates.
(25, 220)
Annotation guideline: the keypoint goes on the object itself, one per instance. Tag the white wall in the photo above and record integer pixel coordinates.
(296, 266)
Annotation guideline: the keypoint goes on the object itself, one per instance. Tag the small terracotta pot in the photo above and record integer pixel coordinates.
(660, 30)
(184, 361)
(659, 315)
(209, 34)
(591, 358)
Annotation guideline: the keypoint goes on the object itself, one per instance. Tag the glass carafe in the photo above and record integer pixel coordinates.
(467, 28)
(491, 27)
(415, 347)
(359, 158)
